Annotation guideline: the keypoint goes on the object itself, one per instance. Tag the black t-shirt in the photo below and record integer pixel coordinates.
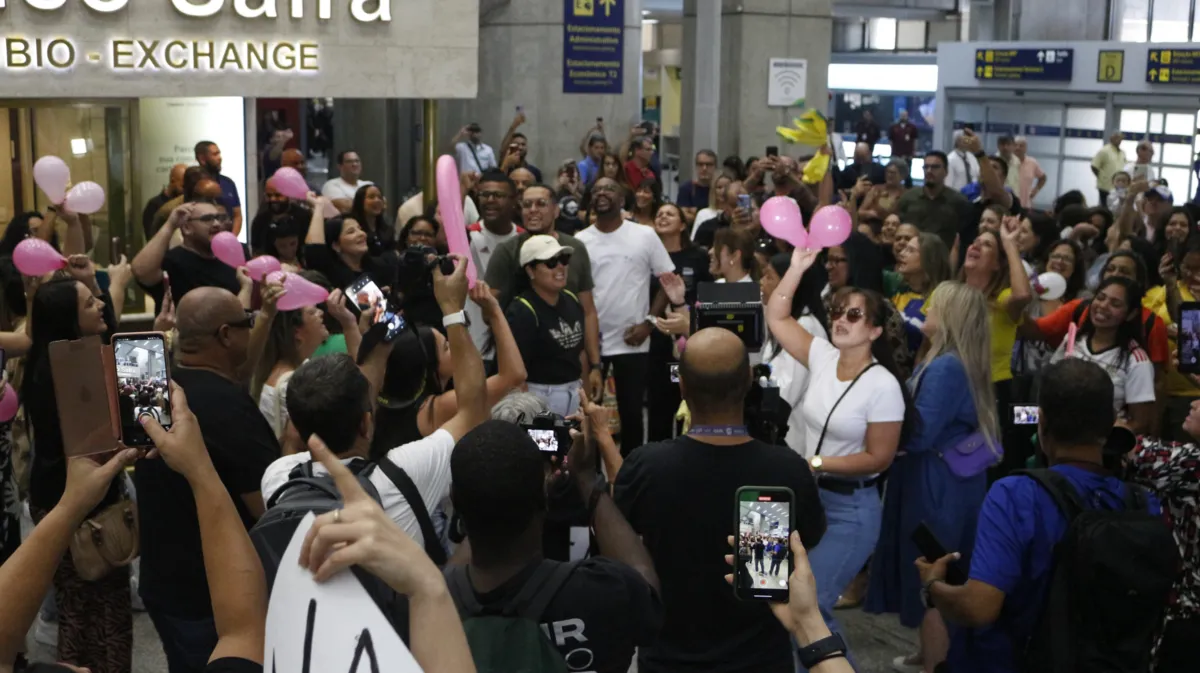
(381, 269)
(188, 271)
(599, 616)
(233, 665)
(708, 230)
(550, 337)
(680, 496)
(295, 219)
(242, 445)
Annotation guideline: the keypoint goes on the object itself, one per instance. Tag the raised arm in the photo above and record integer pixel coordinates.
(1022, 291)
(470, 395)
(75, 241)
(147, 264)
(587, 136)
(512, 128)
(788, 332)
(261, 332)
(316, 224)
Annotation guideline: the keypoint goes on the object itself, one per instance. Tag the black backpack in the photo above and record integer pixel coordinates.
(1110, 580)
(306, 492)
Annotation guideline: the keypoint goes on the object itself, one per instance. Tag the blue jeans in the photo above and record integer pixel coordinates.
(188, 643)
(852, 529)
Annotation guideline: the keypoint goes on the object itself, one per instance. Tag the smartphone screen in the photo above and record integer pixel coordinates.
(743, 201)
(545, 438)
(1025, 414)
(1189, 337)
(143, 384)
(387, 314)
(772, 151)
(674, 368)
(933, 549)
(763, 559)
(365, 293)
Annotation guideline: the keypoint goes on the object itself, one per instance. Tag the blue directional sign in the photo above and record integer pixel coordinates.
(1025, 65)
(1173, 66)
(593, 46)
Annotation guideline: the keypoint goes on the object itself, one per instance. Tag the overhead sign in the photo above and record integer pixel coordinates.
(1025, 65)
(271, 48)
(1111, 66)
(593, 46)
(1173, 66)
(787, 82)
(331, 626)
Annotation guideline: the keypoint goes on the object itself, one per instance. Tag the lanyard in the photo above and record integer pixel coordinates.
(719, 431)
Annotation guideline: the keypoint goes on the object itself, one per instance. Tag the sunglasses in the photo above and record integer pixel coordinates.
(554, 262)
(246, 322)
(853, 315)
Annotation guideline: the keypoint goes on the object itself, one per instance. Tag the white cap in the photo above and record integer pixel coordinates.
(541, 248)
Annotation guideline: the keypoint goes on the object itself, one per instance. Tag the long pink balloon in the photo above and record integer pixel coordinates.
(450, 201)
(262, 265)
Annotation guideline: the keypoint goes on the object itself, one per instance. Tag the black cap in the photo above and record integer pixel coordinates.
(474, 127)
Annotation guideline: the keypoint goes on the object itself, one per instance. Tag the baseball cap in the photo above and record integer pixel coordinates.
(474, 127)
(541, 248)
(1161, 192)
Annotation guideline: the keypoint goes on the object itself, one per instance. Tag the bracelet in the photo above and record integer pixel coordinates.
(927, 594)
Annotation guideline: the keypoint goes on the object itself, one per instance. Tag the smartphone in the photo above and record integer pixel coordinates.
(1025, 414)
(1189, 337)
(83, 391)
(364, 293)
(143, 384)
(520, 109)
(546, 440)
(114, 250)
(764, 518)
(933, 549)
(389, 315)
(743, 201)
(674, 367)
(772, 151)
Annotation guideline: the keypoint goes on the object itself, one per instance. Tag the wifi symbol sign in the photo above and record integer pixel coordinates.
(788, 82)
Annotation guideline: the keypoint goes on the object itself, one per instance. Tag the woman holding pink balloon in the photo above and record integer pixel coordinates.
(340, 249)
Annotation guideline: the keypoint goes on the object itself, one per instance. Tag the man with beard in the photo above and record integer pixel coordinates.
(208, 155)
(507, 278)
(275, 211)
(191, 264)
(624, 255)
(497, 205)
(173, 189)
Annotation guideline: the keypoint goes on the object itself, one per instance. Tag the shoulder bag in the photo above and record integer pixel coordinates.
(106, 541)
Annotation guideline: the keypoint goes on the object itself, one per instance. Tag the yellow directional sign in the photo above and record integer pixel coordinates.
(1111, 67)
(608, 6)
(1173, 66)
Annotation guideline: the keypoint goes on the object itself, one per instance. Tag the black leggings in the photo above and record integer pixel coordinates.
(630, 373)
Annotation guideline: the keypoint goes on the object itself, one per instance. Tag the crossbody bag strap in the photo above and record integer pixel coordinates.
(825, 428)
(433, 544)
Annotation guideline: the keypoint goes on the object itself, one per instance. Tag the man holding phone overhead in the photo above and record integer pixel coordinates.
(681, 496)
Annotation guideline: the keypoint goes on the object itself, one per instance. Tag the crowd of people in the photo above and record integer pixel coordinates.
(907, 355)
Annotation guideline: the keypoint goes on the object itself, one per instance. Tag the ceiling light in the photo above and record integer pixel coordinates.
(645, 12)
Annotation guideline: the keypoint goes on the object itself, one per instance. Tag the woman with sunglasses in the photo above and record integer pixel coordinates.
(95, 619)
(855, 414)
(547, 324)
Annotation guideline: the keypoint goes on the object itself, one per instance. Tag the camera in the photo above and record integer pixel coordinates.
(415, 270)
(551, 433)
(736, 307)
(765, 412)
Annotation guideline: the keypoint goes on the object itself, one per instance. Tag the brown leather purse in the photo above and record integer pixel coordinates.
(106, 541)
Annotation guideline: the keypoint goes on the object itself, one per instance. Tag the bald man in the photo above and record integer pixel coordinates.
(215, 348)
(173, 189)
(680, 495)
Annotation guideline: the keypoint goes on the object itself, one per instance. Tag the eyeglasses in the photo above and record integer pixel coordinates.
(1062, 258)
(484, 196)
(853, 315)
(706, 164)
(211, 217)
(553, 262)
(536, 203)
(246, 322)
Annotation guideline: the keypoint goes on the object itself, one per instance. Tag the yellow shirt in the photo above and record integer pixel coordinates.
(1178, 385)
(1107, 162)
(1004, 336)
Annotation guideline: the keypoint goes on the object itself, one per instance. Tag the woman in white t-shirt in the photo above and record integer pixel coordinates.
(1111, 336)
(808, 309)
(854, 417)
(716, 202)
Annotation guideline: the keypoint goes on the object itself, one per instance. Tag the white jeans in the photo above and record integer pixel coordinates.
(563, 398)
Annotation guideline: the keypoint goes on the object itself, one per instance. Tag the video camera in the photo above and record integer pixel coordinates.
(765, 412)
(736, 307)
(415, 270)
(551, 433)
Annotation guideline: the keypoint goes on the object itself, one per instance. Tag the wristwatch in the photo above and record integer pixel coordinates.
(815, 463)
(595, 365)
(456, 318)
(926, 594)
(825, 648)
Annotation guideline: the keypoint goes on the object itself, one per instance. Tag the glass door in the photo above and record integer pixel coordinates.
(1172, 136)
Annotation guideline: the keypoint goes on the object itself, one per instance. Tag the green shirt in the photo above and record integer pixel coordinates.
(336, 343)
(944, 214)
(505, 264)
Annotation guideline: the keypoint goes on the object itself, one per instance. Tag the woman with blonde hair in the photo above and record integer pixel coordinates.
(923, 264)
(939, 476)
(716, 202)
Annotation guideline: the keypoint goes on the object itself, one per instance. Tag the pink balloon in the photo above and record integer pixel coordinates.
(298, 291)
(830, 226)
(780, 216)
(450, 201)
(262, 265)
(290, 183)
(8, 405)
(35, 257)
(52, 176)
(228, 249)
(85, 197)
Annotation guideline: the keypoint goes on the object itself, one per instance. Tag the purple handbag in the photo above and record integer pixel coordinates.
(971, 455)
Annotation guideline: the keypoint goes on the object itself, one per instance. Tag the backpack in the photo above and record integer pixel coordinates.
(532, 310)
(510, 639)
(1077, 318)
(1111, 577)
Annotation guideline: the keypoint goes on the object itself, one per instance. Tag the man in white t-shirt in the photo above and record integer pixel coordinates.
(341, 189)
(624, 255)
(1142, 169)
(497, 205)
(330, 398)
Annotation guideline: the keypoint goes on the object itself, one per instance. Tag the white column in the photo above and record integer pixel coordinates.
(705, 75)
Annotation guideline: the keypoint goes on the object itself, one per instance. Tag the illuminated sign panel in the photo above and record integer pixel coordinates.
(285, 48)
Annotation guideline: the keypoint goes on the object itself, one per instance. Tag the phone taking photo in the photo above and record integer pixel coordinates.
(772, 151)
(390, 316)
(1025, 414)
(143, 384)
(364, 294)
(1188, 339)
(933, 549)
(743, 201)
(764, 519)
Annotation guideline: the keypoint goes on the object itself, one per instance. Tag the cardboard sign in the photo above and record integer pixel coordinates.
(330, 627)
